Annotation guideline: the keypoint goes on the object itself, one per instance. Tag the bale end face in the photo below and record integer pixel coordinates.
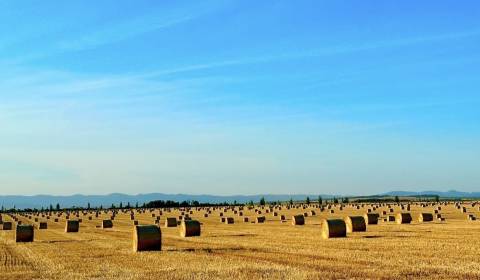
(190, 228)
(425, 217)
(371, 218)
(334, 228)
(298, 220)
(355, 224)
(147, 238)
(24, 233)
(171, 222)
(107, 224)
(72, 226)
(404, 218)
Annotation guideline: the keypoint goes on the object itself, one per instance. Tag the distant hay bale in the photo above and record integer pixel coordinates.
(355, 223)
(107, 224)
(24, 233)
(190, 228)
(147, 238)
(72, 226)
(282, 217)
(391, 218)
(135, 223)
(229, 220)
(332, 228)
(171, 222)
(245, 219)
(42, 225)
(298, 220)
(371, 218)
(260, 220)
(222, 220)
(425, 217)
(7, 226)
(404, 218)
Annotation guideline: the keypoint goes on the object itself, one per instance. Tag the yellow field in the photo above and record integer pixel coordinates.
(274, 250)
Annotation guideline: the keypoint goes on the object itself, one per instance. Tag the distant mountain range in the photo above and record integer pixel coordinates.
(449, 194)
(39, 201)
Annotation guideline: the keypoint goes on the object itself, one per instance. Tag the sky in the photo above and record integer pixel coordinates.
(239, 97)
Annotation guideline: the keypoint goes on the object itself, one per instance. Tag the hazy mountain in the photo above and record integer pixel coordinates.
(450, 194)
(38, 201)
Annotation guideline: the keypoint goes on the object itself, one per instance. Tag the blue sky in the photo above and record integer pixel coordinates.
(239, 97)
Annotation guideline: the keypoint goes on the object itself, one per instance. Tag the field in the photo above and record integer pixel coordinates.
(447, 249)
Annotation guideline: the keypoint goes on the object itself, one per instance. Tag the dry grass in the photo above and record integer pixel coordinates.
(273, 250)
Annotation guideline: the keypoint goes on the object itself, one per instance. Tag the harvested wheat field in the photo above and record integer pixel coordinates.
(447, 249)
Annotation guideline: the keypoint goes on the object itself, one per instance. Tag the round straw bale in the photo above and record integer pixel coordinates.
(42, 225)
(7, 226)
(107, 224)
(72, 226)
(425, 217)
(260, 220)
(229, 220)
(391, 218)
(24, 233)
(245, 219)
(333, 228)
(147, 238)
(371, 218)
(190, 228)
(171, 222)
(298, 220)
(404, 218)
(355, 223)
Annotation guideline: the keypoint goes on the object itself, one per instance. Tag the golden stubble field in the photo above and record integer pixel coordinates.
(273, 250)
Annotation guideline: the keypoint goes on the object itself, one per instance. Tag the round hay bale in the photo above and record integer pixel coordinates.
(282, 217)
(7, 226)
(298, 220)
(260, 220)
(355, 223)
(42, 225)
(24, 233)
(107, 224)
(425, 217)
(72, 226)
(222, 220)
(333, 228)
(229, 220)
(391, 218)
(171, 222)
(147, 238)
(190, 228)
(371, 218)
(404, 218)
(245, 219)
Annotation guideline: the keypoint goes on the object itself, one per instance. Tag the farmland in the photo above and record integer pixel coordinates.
(274, 249)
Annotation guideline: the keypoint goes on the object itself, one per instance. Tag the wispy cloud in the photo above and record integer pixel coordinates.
(122, 31)
(314, 53)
